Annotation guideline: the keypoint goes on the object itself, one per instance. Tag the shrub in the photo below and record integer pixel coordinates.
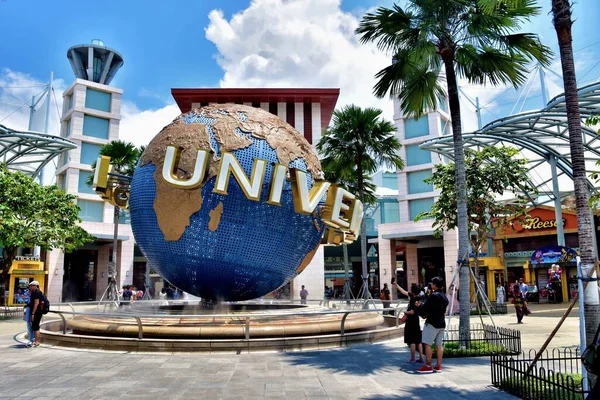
(452, 349)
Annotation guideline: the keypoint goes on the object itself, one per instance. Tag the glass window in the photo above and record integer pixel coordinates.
(91, 210)
(95, 127)
(89, 153)
(416, 207)
(391, 211)
(446, 128)
(442, 103)
(390, 181)
(370, 224)
(416, 184)
(68, 128)
(97, 69)
(416, 155)
(416, 127)
(97, 100)
(82, 186)
(64, 158)
(70, 101)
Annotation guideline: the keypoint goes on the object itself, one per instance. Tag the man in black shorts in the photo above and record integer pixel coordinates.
(434, 309)
(35, 304)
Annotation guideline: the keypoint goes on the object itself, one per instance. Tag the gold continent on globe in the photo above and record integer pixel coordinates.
(174, 206)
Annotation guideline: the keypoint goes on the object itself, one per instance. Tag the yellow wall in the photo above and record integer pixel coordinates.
(27, 269)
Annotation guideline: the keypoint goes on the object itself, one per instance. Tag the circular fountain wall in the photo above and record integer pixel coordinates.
(248, 326)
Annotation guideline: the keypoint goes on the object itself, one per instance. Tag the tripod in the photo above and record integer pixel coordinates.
(479, 292)
(111, 291)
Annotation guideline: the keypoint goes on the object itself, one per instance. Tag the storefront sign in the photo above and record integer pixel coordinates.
(553, 254)
(27, 258)
(538, 221)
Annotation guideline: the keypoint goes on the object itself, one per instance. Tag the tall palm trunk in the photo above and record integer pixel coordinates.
(461, 201)
(363, 228)
(561, 10)
(112, 266)
(347, 292)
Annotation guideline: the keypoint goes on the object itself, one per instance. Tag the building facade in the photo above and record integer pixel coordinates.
(406, 243)
(90, 117)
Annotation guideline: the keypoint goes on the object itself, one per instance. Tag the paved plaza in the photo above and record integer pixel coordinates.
(376, 371)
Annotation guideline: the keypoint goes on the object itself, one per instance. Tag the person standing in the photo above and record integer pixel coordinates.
(27, 318)
(303, 295)
(453, 301)
(412, 327)
(386, 297)
(35, 304)
(520, 304)
(434, 310)
(500, 294)
(523, 288)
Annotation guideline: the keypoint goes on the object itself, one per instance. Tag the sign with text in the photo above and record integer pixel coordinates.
(539, 220)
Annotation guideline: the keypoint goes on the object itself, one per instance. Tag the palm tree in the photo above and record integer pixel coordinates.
(461, 38)
(361, 139)
(123, 158)
(561, 10)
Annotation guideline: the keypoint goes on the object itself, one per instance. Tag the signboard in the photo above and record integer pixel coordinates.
(553, 255)
(540, 220)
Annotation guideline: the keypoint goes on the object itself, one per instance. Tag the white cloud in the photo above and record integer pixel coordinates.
(139, 127)
(309, 43)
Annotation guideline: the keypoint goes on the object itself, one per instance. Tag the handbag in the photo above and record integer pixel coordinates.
(591, 356)
(403, 319)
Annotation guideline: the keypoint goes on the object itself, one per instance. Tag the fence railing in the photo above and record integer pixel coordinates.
(126, 312)
(483, 340)
(555, 376)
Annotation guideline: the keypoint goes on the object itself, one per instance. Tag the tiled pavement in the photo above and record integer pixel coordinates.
(376, 371)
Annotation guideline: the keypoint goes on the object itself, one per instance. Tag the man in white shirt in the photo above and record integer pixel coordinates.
(500, 294)
(303, 295)
(524, 288)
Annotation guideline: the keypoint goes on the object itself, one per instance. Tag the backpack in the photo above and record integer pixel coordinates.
(44, 304)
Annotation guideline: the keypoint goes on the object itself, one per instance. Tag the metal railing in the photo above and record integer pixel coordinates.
(484, 340)
(555, 376)
(241, 317)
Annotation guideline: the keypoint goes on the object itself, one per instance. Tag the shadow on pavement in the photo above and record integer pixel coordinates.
(438, 392)
(367, 359)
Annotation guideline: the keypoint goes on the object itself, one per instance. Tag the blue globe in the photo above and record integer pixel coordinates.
(224, 247)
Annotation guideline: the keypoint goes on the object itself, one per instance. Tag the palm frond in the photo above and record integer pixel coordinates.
(490, 65)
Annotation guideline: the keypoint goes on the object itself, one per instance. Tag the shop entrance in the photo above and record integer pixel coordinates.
(431, 264)
(79, 280)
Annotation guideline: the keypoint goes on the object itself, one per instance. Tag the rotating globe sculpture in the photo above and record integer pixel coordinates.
(211, 230)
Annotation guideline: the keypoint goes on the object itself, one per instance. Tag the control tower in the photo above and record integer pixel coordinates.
(91, 115)
(94, 62)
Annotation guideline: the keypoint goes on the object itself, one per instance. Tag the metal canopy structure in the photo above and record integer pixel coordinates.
(541, 137)
(29, 152)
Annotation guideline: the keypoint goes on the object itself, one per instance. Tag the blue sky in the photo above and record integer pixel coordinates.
(297, 43)
(163, 43)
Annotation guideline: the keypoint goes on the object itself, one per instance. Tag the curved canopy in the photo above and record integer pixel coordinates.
(29, 152)
(541, 137)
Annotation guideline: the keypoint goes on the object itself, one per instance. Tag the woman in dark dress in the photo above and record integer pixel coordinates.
(412, 327)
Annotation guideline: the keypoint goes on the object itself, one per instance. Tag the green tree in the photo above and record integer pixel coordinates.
(361, 139)
(34, 215)
(561, 11)
(490, 173)
(461, 38)
(123, 158)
